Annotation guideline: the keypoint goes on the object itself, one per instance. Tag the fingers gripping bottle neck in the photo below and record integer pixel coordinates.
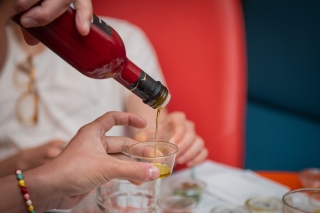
(100, 55)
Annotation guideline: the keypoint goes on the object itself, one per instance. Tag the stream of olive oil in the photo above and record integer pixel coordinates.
(165, 171)
(156, 134)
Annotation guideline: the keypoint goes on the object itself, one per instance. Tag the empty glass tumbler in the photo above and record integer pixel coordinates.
(121, 196)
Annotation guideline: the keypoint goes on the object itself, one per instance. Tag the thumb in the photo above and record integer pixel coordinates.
(83, 16)
(132, 171)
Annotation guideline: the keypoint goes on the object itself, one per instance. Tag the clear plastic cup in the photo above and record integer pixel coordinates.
(305, 200)
(188, 187)
(229, 209)
(310, 178)
(264, 205)
(162, 155)
(177, 204)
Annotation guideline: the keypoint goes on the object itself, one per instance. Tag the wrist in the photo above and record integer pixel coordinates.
(11, 197)
(42, 188)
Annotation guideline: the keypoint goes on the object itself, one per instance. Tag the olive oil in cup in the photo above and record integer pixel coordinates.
(163, 159)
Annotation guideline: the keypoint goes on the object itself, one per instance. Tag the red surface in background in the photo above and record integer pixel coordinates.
(201, 49)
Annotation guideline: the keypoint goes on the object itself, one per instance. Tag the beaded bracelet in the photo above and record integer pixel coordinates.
(24, 191)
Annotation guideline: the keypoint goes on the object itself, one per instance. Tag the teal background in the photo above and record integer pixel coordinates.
(283, 112)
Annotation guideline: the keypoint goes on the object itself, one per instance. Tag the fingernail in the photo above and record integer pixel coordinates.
(86, 25)
(28, 22)
(154, 173)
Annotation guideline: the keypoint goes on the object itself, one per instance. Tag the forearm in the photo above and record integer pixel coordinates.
(39, 188)
(11, 197)
(9, 165)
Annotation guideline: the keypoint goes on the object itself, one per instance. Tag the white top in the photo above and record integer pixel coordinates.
(68, 99)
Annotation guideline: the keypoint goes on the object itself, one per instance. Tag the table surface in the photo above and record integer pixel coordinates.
(290, 179)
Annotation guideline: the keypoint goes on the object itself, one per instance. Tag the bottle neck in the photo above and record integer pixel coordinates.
(152, 92)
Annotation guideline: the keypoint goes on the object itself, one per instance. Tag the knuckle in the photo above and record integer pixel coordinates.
(45, 17)
(178, 115)
(109, 113)
(51, 143)
(110, 172)
(129, 171)
(83, 129)
(49, 153)
(181, 115)
(205, 153)
(87, 12)
(113, 115)
(201, 141)
(110, 175)
(191, 124)
(21, 5)
(137, 172)
(125, 145)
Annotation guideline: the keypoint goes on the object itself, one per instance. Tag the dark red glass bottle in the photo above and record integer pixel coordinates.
(101, 54)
